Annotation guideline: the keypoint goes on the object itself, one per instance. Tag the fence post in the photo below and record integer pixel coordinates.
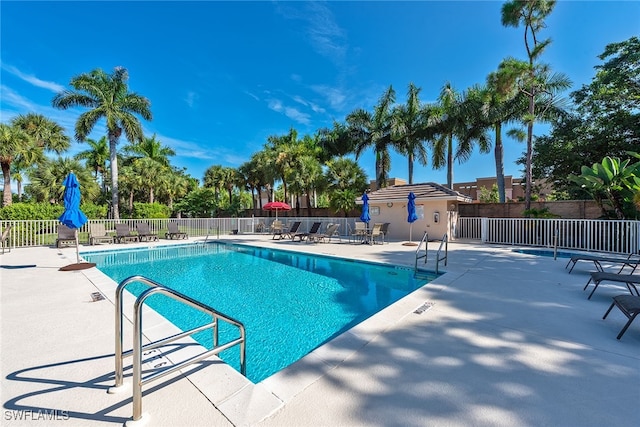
(484, 230)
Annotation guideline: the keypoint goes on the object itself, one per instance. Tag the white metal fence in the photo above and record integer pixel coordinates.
(582, 234)
(45, 232)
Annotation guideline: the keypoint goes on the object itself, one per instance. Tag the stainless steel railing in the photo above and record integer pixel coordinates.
(138, 347)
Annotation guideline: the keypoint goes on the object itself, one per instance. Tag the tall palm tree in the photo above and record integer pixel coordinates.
(412, 129)
(496, 107)
(175, 185)
(213, 178)
(282, 152)
(375, 130)
(454, 121)
(96, 158)
(107, 96)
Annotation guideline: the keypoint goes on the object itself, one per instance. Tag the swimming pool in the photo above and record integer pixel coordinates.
(290, 303)
(544, 252)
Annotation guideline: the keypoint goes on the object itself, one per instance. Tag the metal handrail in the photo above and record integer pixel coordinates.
(138, 381)
(418, 256)
(445, 242)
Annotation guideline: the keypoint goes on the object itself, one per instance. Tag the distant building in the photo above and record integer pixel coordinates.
(514, 188)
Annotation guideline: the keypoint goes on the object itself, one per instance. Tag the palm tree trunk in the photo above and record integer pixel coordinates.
(450, 162)
(527, 193)
(410, 168)
(6, 192)
(113, 160)
(499, 154)
(151, 198)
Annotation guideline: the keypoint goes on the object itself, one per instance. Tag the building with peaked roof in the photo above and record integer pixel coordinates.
(436, 207)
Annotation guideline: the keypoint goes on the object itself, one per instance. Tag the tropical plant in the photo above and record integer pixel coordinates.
(107, 96)
(532, 78)
(25, 141)
(375, 130)
(343, 173)
(613, 181)
(96, 158)
(412, 129)
(343, 200)
(454, 119)
(46, 180)
(489, 195)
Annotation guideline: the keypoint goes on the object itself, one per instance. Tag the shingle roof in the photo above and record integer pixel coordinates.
(427, 190)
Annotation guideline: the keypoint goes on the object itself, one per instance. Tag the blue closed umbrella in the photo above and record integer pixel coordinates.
(364, 216)
(411, 210)
(72, 216)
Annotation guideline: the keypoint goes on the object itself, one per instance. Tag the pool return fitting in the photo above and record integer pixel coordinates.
(138, 348)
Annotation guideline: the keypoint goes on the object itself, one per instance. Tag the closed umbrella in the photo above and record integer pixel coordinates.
(72, 216)
(276, 206)
(411, 210)
(364, 216)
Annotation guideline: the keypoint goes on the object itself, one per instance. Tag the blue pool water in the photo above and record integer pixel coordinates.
(290, 303)
(544, 252)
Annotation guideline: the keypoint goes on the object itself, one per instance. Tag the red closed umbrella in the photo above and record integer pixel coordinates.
(276, 206)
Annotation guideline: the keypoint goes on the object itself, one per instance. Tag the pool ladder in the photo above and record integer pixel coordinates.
(441, 254)
(139, 348)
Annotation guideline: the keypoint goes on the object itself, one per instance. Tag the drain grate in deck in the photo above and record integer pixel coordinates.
(424, 307)
(96, 296)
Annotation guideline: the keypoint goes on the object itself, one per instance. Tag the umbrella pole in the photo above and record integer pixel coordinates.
(77, 244)
(410, 230)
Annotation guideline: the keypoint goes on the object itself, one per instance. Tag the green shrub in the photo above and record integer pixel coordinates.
(150, 210)
(27, 211)
(93, 211)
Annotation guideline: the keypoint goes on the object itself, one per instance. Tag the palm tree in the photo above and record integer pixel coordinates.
(454, 120)
(175, 185)
(375, 130)
(108, 97)
(46, 180)
(14, 142)
(282, 151)
(496, 107)
(26, 140)
(412, 129)
(343, 173)
(151, 159)
(213, 179)
(96, 158)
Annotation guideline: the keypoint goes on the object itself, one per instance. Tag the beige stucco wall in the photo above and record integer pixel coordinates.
(396, 215)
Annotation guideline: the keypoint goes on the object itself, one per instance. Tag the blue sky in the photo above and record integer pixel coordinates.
(223, 76)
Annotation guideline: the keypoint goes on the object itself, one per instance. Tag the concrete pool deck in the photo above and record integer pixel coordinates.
(501, 339)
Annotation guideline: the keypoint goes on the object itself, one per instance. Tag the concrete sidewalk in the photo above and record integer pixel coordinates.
(501, 339)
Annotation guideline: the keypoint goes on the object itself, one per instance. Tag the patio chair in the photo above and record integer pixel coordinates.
(5, 238)
(631, 280)
(276, 229)
(98, 234)
(174, 232)
(144, 234)
(630, 307)
(66, 236)
(632, 260)
(312, 231)
(385, 230)
(375, 233)
(124, 234)
(292, 230)
(359, 232)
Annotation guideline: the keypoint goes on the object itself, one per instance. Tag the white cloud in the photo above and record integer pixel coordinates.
(191, 98)
(33, 80)
(334, 96)
(10, 97)
(291, 112)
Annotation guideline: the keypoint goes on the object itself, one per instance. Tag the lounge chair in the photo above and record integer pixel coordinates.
(630, 307)
(631, 261)
(124, 234)
(98, 234)
(312, 231)
(631, 280)
(291, 231)
(331, 230)
(144, 234)
(5, 238)
(385, 230)
(276, 229)
(174, 232)
(66, 236)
